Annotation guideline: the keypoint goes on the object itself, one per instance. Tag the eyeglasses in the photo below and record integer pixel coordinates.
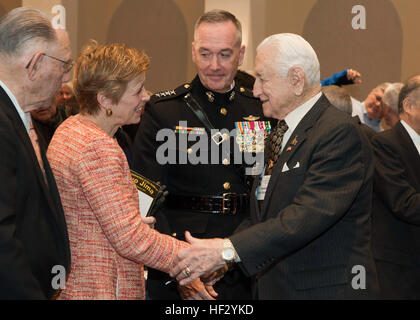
(67, 65)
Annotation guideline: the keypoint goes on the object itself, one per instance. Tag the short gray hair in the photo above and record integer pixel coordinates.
(20, 26)
(339, 98)
(391, 94)
(218, 16)
(292, 50)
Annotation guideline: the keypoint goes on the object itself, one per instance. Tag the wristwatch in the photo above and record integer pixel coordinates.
(229, 254)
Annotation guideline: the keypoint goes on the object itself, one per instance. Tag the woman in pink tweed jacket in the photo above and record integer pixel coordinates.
(109, 241)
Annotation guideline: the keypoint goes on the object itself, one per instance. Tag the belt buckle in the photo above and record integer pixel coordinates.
(226, 198)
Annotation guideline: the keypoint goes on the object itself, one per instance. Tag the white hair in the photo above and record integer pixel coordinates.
(391, 94)
(21, 26)
(292, 50)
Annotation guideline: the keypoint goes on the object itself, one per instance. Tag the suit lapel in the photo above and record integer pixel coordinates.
(295, 141)
(24, 137)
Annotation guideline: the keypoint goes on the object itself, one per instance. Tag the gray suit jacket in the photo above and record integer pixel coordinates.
(313, 229)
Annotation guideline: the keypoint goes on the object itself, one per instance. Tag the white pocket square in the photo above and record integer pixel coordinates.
(286, 168)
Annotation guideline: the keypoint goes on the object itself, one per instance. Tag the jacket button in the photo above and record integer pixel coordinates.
(173, 234)
(226, 162)
(226, 185)
(223, 111)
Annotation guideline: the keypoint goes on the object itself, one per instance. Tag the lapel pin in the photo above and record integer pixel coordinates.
(294, 142)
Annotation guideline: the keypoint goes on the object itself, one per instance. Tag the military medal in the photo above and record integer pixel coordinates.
(196, 131)
(250, 135)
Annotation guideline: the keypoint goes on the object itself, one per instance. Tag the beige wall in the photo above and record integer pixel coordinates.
(7, 5)
(386, 51)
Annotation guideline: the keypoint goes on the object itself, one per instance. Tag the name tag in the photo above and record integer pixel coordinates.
(262, 187)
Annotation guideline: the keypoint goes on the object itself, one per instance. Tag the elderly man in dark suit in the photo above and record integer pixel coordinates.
(34, 247)
(396, 209)
(309, 232)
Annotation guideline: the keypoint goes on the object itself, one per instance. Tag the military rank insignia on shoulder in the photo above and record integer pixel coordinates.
(170, 94)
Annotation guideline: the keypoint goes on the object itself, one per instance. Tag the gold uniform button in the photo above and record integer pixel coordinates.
(223, 111)
(242, 89)
(187, 86)
(226, 185)
(173, 234)
(226, 162)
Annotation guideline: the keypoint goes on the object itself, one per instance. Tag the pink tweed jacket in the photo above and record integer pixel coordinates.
(109, 243)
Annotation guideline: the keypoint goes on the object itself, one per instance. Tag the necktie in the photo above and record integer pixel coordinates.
(274, 145)
(34, 139)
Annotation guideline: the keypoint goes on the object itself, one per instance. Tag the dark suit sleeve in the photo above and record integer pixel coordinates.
(16, 278)
(145, 146)
(336, 172)
(392, 183)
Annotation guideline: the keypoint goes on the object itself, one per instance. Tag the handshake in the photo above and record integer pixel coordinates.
(198, 267)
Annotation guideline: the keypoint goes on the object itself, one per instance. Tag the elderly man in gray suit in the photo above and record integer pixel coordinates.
(309, 233)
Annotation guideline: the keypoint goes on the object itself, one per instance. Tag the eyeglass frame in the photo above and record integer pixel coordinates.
(68, 64)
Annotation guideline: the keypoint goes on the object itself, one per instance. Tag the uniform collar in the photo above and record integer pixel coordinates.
(211, 96)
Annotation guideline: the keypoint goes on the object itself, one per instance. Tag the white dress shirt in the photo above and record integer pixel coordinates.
(415, 137)
(25, 116)
(296, 116)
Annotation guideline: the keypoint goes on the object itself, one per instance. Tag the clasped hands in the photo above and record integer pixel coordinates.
(202, 261)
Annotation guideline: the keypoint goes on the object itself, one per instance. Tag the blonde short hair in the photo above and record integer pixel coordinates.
(106, 69)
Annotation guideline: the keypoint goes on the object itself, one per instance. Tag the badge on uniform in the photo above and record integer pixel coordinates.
(251, 135)
(188, 130)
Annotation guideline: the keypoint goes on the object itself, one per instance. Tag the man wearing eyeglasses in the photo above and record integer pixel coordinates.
(34, 62)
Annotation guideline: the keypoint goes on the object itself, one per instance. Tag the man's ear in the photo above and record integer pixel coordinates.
(408, 105)
(296, 77)
(34, 65)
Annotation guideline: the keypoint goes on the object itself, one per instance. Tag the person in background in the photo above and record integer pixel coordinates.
(34, 62)
(371, 111)
(345, 77)
(65, 93)
(396, 202)
(109, 240)
(46, 121)
(339, 98)
(390, 104)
